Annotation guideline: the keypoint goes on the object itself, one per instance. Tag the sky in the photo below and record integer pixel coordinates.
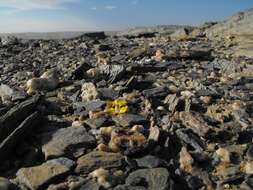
(90, 15)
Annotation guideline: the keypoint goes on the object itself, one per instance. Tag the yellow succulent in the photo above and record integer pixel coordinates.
(116, 107)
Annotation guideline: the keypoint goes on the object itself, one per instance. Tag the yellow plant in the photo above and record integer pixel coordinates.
(116, 107)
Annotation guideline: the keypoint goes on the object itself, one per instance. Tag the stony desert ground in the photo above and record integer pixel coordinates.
(160, 108)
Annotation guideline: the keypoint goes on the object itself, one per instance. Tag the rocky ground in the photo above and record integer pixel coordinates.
(134, 111)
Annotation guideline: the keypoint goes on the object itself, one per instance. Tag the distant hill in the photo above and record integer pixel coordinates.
(240, 28)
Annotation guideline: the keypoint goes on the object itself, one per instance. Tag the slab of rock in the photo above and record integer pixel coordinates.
(96, 122)
(8, 145)
(155, 179)
(38, 177)
(150, 161)
(95, 105)
(10, 121)
(108, 93)
(126, 120)
(70, 142)
(98, 159)
(156, 92)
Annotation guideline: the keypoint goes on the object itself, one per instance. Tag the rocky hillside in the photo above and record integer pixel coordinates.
(237, 31)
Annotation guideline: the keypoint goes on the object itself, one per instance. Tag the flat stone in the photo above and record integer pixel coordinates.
(70, 142)
(98, 159)
(149, 161)
(155, 179)
(156, 92)
(96, 122)
(108, 93)
(38, 177)
(126, 120)
(95, 105)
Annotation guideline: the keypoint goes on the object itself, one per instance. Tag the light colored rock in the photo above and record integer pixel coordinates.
(249, 168)
(102, 176)
(223, 154)
(47, 82)
(38, 177)
(89, 92)
(5, 93)
(186, 161)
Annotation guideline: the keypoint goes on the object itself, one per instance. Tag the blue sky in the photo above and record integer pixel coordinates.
(80, 15)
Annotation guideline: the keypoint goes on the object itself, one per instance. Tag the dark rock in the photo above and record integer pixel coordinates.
(151, 179)
(150, 162)
(70, 142)
(8, 144)
(10, 121)
(157, 92)
(249, 182)
(139, 69)
(90, 186)
(94, 105)
(102, 47)
(93, 35)
(126, 120)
